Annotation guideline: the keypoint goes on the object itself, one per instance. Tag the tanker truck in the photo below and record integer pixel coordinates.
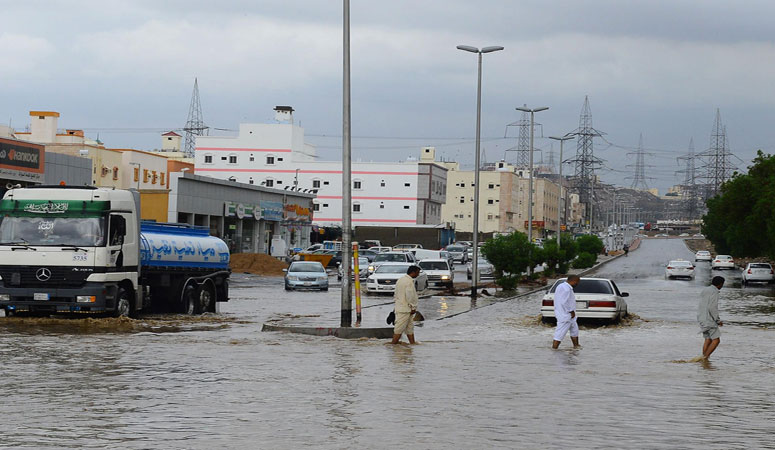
(67, 249)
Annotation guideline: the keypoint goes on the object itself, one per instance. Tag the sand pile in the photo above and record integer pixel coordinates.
(256, 263)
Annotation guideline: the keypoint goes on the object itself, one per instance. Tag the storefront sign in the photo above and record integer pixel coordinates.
(238, 210)
(21, 160)
(537, 224)
(272, 210)
(297, 213)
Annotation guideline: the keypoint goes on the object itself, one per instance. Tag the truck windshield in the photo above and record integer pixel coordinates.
(53, 231)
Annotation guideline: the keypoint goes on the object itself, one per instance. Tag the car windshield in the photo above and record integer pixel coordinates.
(703, 252)
(723, 257)
(434, 265)
(53, 231)
(390, 257)
(306, 267)
(456, 249)
(588, 287)
(760, 266)
(680, 264)
(398, 268)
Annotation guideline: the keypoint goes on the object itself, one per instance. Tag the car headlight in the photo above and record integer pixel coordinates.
(445, 277)
(371, 268)
(293, 278)
(85, 299)
(5, 297)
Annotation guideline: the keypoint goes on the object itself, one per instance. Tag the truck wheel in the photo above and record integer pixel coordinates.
(189, 299)
(123, 303)
(206, 298)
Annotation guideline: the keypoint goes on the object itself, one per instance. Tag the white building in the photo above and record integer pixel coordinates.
(276, 155)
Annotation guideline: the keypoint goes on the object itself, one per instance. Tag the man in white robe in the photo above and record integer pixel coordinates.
(565, 311)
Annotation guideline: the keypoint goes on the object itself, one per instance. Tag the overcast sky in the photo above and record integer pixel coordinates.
(124, 69)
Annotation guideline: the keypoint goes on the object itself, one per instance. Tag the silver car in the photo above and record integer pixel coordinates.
(458, 253)
(485, 268)
(306, 275)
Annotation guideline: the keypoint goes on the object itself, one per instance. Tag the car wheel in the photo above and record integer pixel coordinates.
(205, 298)
(325, 289)
(288, 288)
(189, 299)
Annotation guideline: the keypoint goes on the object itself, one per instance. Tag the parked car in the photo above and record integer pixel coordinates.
(306, 275)
(386, 275)
(758, 273)
(405, 247)
(679, 268)
(439, 271)
(386, 257)
(596, 298)
(458, 253)
(363, 269)
(368, 254)
(421, 254)
(486, 270)
(445, 255)
(702, 255)
(466, 243)
(381, 249)
(683, 235)
(722, 262)
(369, 243)
(699, 236)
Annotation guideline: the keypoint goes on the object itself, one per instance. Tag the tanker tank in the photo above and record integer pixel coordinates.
(181, 246)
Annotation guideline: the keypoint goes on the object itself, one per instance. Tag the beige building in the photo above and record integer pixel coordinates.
(503, 199)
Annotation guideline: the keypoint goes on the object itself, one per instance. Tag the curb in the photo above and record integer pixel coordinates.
(344, 333)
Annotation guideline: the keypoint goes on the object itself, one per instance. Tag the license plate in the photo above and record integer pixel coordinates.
(581, 305)
(40, 296)
(307, 283)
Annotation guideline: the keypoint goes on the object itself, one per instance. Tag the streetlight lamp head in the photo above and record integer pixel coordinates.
(540, 108)
(523, 109)
(494, 48)
(468, 48)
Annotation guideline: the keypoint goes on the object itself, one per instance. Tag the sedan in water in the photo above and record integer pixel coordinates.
(596, 298)
(758, 273)
(486, 270)
(702, 255)
(306, 275)
(722, 262)
(679, 268)
(386, 275)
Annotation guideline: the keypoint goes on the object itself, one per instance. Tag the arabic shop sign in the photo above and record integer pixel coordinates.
(240, 211)
(297, 213)
(272, 210)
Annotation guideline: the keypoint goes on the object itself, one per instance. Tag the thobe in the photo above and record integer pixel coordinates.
(564, 303)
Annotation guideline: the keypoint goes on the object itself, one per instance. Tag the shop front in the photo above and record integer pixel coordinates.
(21, 163)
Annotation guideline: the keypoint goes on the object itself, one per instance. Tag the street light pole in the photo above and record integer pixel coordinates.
(559, 199)
(530, 175)
(347, 299)
(475, 262)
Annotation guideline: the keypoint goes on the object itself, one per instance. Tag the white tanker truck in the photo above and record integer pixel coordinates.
(67, 249)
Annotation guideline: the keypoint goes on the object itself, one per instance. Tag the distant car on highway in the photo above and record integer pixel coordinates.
(699, 236)
(485, 268)
(306, 275)
(683, 235)
(758, 273)
(722, 262)
(596, 298)
(679, 268)
(702, 255)
(439, 271)
(385, 277)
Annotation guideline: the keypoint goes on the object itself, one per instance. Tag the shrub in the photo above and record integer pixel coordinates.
(507, 283)
(590, 244)
(584, 260)
(511, 254)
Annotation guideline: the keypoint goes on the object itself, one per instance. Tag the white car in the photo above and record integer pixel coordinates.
(439, 272)
(722, 262)
(758, 273)
(363, 269)
(679, 268)
(386, 257)
(381, 249)
(702, 255)
(385, 277)
(596, 298)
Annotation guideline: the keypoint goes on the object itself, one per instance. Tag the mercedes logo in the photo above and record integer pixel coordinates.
(43, 274)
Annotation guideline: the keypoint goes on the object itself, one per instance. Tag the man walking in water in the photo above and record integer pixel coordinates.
(707, 316)
(565, 311)
(406, 305)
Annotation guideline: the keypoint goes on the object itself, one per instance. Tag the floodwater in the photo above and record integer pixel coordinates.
(485, 379)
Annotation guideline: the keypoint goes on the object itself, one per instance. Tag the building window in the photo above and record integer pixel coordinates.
(270, 160)
(279, 181)
(325, 183)
(490, 201)
(491, 186)
(279, 160)
(315, 184)
(145, 175)
(208, 159)
(115, 173)
(161, 178)
(315, 207)
(489, 216)
(325, 205)
(250, 181)
(406, 206)
(232, 159)
(269, 182)
(356, 207)
(154, 177)
(382, 183)
(462, 199)
(462, 185)
(407, 184)
(252, 158)
(223, 158)
(381, 205)
(357, 184)
(137, 174)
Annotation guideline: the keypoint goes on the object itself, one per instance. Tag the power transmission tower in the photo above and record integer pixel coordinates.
(689, 191)
(718, 159)
(585, 161)
(522, 148)
(639, 178)
(195, 125)
(550, 159)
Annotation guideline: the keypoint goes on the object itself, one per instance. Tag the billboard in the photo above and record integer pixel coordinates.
(21, 161)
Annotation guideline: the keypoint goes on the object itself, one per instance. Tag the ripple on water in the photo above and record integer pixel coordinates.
(117, 325)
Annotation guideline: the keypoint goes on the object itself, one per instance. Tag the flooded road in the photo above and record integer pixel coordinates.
(485, 379)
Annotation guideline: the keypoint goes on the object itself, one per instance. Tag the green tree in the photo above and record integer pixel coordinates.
(589, 243)
(558, 259)
(584, 260)
(511, 255)
(741, 219)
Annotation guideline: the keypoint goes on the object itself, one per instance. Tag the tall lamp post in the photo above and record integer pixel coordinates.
(347, 296)
(559, 199)
(530, 176)
(475, 263)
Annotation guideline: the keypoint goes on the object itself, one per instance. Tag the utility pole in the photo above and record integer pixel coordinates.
(559, 198)
(347, 299)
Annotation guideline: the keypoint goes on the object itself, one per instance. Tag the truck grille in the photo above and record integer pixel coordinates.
(434, 277)
(60, 276)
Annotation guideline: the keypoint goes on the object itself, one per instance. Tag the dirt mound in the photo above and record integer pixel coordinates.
(256, 263)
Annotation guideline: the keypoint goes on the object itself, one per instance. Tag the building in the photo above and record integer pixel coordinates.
(276, 155)
(21, 163)
(503, 199)
(248, 217)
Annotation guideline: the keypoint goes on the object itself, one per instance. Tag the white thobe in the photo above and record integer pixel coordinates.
(564, 302)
